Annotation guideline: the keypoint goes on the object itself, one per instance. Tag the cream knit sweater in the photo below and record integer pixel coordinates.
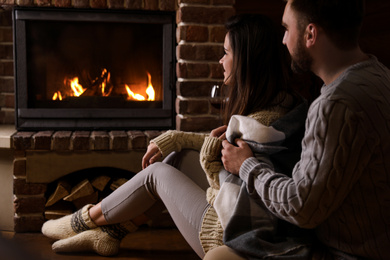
(210, 158)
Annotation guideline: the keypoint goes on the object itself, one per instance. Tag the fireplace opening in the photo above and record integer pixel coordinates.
(89, 186)
(88, 69)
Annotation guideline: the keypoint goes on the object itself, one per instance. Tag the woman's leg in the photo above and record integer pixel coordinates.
(222, 253)
(185, 200)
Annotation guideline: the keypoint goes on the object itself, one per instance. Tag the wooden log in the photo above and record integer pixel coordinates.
(90, 199)
(62, 190)
(100, 182)
(117, 183)
(82, 189)
(58, 213)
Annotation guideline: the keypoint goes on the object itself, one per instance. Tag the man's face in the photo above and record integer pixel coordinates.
(301, 60)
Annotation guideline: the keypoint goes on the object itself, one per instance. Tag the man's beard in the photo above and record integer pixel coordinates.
(301, 62)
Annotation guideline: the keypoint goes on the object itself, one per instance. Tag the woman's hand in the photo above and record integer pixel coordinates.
(234, 156)
(219, 132)
(151, 156)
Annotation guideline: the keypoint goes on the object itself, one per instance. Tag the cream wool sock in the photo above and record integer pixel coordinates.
(69, 225)
(104, 240)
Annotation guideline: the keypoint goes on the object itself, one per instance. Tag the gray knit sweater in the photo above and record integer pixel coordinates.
(341, 185)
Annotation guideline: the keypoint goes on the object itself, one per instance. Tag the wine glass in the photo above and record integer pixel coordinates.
(216, 97)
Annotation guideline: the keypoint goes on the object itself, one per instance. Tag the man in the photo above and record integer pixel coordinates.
(341, 185)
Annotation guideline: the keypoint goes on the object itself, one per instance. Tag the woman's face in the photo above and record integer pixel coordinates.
(227, 60)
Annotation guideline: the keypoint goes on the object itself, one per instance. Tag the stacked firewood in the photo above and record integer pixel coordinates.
(68, 197)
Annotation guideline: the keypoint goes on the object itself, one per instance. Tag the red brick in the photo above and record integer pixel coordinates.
(217, 34)
(216, 71)
(6, 51)
(137, 140)
(6, 68)
(62, 3)
(25, 2)
(192, 107)
(98, 3)
(195, 88)
(197, 52)
(118, 140)
(151, 5)
(205, 2)
(7, 85)
(22, 140)
(224, 2)
(23, 188)
(116, 4)
(42, 140)
(6, 34)
(20, 167)
(192, 70)
(204, 15)
(28, 223)
(193, 33)
(7, 100)
(28, 205)
(133, 4)
(61, 141)
(151, 135)
(197, 123)
(81, 3)
(80, 140)
(168, 5)
(100, 140)
(43, 2)
(7, 117)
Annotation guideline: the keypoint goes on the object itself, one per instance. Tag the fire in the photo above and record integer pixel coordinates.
(76, 87)
(102, 86)
(149, 91)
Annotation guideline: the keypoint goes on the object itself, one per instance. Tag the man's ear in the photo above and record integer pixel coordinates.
(311, 34)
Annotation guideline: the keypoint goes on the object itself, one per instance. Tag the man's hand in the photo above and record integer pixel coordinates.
(234, 156)
(151, 156)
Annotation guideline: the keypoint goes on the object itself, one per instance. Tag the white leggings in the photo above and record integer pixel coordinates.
(179, 183)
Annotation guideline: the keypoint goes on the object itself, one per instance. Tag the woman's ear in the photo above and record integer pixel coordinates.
(311, 34)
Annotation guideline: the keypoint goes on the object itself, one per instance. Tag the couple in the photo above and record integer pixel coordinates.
(256, 194)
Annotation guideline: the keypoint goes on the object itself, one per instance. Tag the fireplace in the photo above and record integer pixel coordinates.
(93, 69)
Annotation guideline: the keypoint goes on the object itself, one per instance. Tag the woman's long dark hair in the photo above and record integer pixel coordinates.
(260, 65)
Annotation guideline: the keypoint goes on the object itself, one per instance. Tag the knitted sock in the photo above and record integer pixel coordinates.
(69, 225)
(104, 240)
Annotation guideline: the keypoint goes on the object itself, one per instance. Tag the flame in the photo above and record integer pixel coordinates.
(76, 87)
(57, 95)
(134, 96)
(105, 86)
(150, 90)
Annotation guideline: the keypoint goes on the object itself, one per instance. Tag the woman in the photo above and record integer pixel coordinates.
(256, 77)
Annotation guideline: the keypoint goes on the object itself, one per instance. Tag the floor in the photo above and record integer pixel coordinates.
(146, 244)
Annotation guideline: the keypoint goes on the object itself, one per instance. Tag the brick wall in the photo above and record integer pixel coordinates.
(200, 36)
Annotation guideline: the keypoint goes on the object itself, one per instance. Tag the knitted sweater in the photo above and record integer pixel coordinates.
(341, 185)
(211, 234)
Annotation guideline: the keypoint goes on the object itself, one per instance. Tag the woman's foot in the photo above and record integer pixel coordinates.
(103, 240)
(70, 225)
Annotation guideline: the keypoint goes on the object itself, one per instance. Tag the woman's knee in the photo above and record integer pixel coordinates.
(222, 253)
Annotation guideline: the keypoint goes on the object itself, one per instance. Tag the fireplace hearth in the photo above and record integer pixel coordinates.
(92, 69)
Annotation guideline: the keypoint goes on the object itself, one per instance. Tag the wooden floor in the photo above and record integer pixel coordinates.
(145, 244)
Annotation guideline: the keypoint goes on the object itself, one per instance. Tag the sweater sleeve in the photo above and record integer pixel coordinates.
(334, 155)
(174, 140)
